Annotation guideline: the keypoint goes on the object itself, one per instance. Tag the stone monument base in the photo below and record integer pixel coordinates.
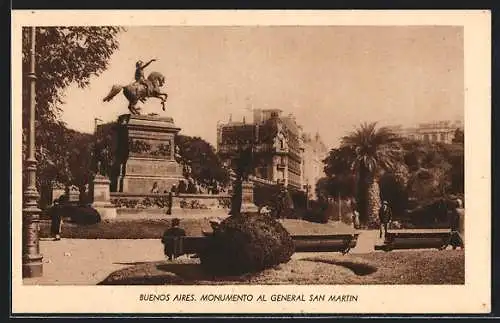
(107, 212)
(145, 155)
(164, 174)
(247, 204)
(102, 198)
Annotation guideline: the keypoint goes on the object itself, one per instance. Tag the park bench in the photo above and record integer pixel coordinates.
(325, 243)
(415, 239)
(303, 243)
(185, 245)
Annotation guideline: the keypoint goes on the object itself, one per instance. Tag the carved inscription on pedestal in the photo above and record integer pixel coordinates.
(150, 148)
(151, 167)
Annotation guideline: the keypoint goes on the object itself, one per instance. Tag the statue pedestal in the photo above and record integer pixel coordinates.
(101, 198)
(145, 155)
(247, 204)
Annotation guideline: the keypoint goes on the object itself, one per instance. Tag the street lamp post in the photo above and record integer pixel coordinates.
(32, 259)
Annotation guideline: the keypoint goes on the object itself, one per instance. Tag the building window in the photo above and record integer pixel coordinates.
(443, 137)
(434, 137)
(426, 137)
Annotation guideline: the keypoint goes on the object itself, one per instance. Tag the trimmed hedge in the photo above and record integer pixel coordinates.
(431, 215)
(246, 244)
(79, 214)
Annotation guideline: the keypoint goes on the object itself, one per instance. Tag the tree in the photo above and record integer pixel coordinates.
(206, 167)
(341, 184)
(104, 150)
(80, 159)
(436, 169)
(458, 137)
(64, 56)
(394, 191)
(373, 151)
(420, 171)
(457, 169)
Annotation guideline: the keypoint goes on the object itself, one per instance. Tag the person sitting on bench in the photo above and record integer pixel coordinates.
(174, 231)
(455, 239)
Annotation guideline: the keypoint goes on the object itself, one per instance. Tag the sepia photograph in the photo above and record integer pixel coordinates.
(202, 156)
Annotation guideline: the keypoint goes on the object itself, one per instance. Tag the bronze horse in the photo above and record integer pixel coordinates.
(135, 92)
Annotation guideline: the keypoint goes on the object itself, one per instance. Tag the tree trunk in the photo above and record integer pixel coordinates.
(373, 200)
(362, 196)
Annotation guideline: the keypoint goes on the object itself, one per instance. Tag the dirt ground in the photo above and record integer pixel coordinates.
(89, 261)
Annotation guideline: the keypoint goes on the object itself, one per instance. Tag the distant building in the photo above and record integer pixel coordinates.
(277, 140)
(439, 131)
(315, 152)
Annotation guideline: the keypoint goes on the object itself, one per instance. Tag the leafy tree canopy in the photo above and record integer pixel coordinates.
(200, 156)
(63, 56)
(458, 137)
(414, 169)
(372, 148)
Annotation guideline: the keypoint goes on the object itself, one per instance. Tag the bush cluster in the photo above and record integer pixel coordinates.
(79, 214)
(160, 201)
(246, 244)
(193, 204)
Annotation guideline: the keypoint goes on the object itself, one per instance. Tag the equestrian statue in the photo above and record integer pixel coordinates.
(141, 89)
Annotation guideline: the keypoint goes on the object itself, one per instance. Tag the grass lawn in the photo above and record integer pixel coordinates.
(154, 228)
(125, 229)
(406, 267)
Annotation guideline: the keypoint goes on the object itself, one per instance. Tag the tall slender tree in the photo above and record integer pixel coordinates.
(374, 150)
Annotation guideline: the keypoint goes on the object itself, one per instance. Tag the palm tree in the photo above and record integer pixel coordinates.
(373, 152)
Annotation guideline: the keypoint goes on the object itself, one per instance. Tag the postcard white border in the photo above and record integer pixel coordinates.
(473, 297)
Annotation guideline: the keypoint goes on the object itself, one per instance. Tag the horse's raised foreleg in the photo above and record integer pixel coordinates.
(163, 97)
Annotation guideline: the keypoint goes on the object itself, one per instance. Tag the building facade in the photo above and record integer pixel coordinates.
(315, 152)
(439, 131)
(276, 142)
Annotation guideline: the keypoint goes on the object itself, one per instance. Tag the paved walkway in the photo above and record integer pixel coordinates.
(88, 261)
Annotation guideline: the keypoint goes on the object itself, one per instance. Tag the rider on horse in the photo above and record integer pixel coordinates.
(139, 74)
(141, 89)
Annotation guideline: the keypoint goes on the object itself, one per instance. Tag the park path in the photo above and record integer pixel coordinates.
(89, 261)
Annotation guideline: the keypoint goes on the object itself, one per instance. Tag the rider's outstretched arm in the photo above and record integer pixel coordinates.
(146, 65)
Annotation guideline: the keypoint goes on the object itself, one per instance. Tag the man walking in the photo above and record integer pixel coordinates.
(56, 218)
(385, 216)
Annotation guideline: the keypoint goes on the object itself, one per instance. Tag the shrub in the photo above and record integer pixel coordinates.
(224, 203)
(291, 213)
(125, 203)
(82, 214)
(430, 215)
(246, 244)
(193, 204)
(318, 212)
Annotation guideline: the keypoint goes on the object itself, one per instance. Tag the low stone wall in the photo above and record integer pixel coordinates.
(201, 201)
(145, 205)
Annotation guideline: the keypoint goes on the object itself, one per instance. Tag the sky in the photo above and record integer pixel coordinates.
(332, 78)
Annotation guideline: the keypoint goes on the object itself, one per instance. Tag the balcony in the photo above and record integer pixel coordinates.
(281, 165)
